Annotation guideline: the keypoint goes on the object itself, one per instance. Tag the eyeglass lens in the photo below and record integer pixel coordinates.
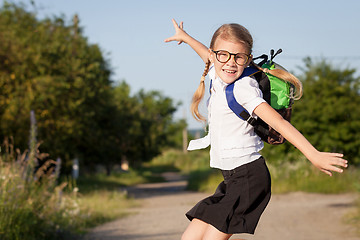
(224, 56)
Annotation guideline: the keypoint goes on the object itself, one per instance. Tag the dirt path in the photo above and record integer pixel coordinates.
(295, 216)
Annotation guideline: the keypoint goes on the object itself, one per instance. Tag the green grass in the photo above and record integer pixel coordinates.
(32, 209)
(102, 206)
(302, 176)
(176, 160)
(103, 198)
(34, 206)
(116, 181)
(286, 176)
(205, 180)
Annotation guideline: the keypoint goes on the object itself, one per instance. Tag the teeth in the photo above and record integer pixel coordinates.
(228, 71)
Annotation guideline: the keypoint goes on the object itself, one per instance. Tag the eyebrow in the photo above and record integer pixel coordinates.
(230, 52)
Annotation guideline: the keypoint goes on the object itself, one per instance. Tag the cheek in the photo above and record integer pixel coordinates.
(218, 68)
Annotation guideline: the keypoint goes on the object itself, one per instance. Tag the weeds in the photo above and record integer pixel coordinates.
(32, 206)
(287, 176)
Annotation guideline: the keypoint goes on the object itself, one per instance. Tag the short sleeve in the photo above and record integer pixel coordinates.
(248, 94)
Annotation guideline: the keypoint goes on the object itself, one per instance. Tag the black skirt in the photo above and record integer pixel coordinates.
(239, 201)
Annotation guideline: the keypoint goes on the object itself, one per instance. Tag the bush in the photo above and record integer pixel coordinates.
(301, 175)
(295, 174)
(32, 205)
(176, 160)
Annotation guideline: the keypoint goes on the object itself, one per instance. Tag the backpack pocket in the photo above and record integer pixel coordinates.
(267, 133)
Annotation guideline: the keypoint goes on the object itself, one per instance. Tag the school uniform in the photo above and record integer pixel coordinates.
(238, 202)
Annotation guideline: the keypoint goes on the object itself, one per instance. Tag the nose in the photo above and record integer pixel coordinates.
(231, 60)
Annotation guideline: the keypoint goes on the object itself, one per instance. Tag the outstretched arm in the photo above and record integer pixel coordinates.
(181, 36)
(326, 162)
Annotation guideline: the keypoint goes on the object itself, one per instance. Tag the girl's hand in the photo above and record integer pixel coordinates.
(328, 162)
(180, 34)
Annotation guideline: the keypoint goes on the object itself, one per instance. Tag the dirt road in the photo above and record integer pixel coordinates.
(295, 216)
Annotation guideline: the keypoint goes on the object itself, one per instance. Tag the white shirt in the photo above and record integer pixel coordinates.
(233, 140)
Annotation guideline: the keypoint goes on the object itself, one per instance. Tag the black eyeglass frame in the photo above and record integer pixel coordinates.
(231, 54)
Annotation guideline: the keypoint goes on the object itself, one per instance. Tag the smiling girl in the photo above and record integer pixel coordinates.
(239, 201)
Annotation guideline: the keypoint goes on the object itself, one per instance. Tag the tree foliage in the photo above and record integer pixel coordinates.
(328, 114)
(48, 66)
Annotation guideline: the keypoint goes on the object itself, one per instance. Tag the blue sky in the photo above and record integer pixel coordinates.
(132, 33)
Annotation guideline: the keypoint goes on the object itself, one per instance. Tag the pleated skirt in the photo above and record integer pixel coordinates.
(239, 201)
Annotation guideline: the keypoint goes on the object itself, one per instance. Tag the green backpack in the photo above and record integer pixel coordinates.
(276, 92)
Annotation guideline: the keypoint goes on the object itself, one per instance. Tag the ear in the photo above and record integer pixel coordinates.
(249, 60)
(211, 56)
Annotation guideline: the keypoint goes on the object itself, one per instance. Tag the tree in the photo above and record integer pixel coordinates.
(49, 67)
(154, 120)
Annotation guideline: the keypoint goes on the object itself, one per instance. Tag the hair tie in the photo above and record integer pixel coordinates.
(202, 79)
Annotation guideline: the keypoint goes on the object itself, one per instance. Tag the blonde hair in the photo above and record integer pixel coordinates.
(198, 96)
(285, 76)
(237, 33)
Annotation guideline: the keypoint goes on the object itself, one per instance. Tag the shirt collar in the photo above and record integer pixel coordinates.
(220, 83)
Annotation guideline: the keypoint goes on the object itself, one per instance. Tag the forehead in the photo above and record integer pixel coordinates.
(230, 46)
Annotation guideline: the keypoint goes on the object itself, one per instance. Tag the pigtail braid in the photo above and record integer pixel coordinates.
(198, 95)
(286, 76)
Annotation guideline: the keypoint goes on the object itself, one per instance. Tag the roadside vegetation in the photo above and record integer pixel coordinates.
(49, 69)
(287, 176)
(36, 204)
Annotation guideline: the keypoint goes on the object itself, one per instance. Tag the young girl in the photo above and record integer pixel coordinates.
(240, 199)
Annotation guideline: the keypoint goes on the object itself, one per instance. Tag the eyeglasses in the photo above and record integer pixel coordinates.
(224, 56)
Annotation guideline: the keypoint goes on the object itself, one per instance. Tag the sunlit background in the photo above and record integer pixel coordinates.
(78, 150)
(132, 34)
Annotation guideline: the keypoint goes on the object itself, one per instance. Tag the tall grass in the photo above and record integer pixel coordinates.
(286, 176)
(176, 160)
(32, 205)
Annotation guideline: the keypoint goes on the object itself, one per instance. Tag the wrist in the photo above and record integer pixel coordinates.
(312, 155)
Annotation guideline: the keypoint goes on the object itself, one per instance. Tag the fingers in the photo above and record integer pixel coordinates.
(178, 32)
(336, 164)
(181, 26)
(332, 162)
(327, 172)
(334, 169)
(339, 161)
(175, 23)
(336, 159)
(168, 40)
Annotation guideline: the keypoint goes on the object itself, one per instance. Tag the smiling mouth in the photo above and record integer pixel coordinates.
(229, 71)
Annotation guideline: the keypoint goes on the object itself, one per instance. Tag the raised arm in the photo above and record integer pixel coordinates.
(326, 162)
(181, 36)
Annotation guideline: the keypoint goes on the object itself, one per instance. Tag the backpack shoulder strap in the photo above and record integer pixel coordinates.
(239, 110)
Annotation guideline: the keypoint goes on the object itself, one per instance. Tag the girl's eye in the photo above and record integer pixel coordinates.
(241, 56)
(222, 54)
(241, 59)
